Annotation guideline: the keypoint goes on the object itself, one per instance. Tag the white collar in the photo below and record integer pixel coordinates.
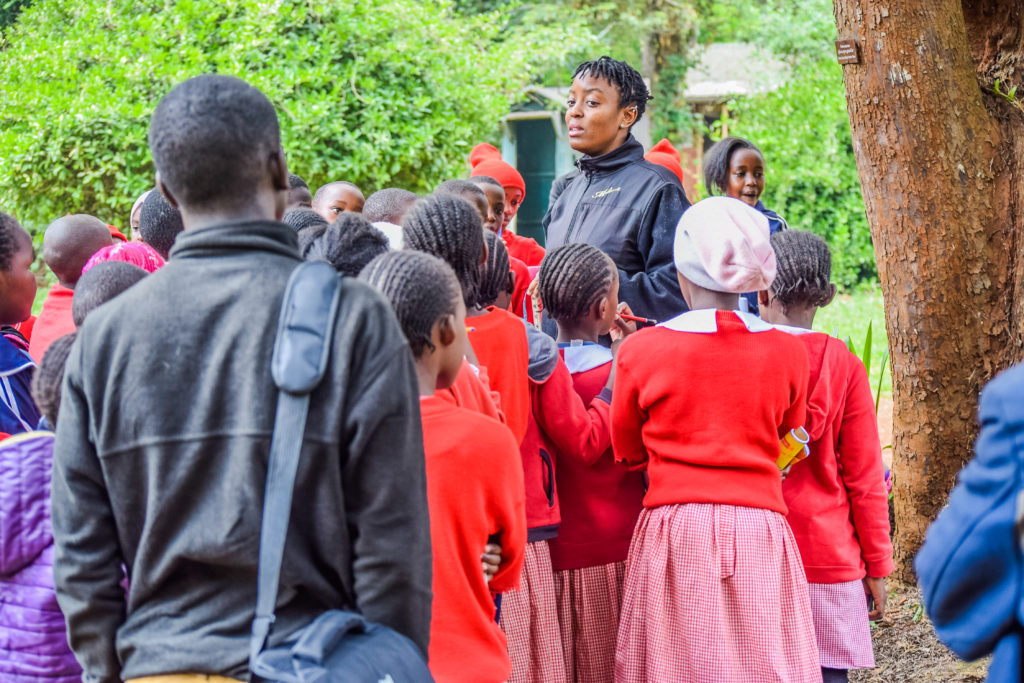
(792, 330)
(703, 321)
(585, 357)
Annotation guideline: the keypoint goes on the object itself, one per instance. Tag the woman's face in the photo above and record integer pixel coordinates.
(596, 122)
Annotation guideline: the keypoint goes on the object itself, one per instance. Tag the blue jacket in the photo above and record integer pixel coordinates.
(970, 566)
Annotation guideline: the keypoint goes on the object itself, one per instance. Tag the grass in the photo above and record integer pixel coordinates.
(848, 316)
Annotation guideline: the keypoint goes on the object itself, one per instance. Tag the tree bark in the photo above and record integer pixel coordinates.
(937, 155)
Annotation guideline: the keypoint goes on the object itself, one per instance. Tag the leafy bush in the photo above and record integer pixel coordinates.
(380, 92)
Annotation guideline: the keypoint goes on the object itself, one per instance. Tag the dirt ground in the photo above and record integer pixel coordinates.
(906, 648)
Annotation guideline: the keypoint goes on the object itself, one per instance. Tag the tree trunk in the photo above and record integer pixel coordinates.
(938, 157)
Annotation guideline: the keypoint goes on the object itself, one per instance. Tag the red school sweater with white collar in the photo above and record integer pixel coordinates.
(837, 499)
(703, 400)
(601, 500)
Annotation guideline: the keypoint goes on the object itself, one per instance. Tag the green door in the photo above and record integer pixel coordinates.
(535, 159)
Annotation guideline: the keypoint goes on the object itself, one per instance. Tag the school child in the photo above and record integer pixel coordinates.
(298, 193)
(18, 413)
(715, 589)
(35, 643)
(133, 217)
(68, 243)
(473, 194)
(348, 244)
(735, 167)
(160, 224)
(486, 161)
(599, 499)
(138, 254)
(298, 219)
(838, 506)
(100, 284)
(471, 498)
(518, 302)
(495, 195)
(386, 208)
(333, 199)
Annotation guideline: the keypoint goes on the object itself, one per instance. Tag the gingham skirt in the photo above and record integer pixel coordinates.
(589, 602)
(715, 593)
(529, 618)
(841, 624)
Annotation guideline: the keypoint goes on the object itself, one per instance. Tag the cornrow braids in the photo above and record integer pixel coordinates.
(450, 228)
(716, 162)
(632, 89)
(421, 290)
(10, 229)
(803, 269)
(495, 273)
(573, 278)
(49, 375)
(348, 244)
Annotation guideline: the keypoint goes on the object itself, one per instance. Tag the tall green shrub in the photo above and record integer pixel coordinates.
(378, 92)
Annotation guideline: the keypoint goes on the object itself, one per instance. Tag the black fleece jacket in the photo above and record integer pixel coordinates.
(628, 208)
(161, 461)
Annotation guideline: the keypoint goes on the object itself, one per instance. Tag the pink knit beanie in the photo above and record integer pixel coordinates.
(136, 253)
(722, 244)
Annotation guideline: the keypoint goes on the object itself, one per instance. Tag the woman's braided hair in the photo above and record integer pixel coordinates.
(573, 278)
(495, 273)
(449, 228)
(49, 376)
(420, 288)
(803, 269)
(632, 89)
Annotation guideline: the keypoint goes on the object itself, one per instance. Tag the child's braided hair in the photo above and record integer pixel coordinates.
(450, 228)
(348, 244)
(803, 269)
(632, 89)
(573, 278)
(716, 162)
(495, 274)
(49, 375)
(420, 288)
(10, 228)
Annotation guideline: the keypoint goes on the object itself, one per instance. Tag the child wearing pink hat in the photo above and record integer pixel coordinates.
(715, 589)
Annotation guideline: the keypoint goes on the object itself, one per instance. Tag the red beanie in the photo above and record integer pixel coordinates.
(664, 154)
(501, 171)
(481, 152)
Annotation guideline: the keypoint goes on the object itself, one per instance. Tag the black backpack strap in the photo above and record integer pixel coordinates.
(301, 352)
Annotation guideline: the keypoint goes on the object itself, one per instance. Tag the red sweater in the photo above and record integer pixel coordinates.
(500, 344)
(525, 249)
(520, 305)
(472, 391)
(837, 500)
(599, 501)
(470, 498)
(561, 421)
(53, 322)
(703, 400)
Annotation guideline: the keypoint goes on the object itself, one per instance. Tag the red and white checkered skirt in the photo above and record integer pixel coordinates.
(589, 602)
(529, 618)
(715, 593)
(840, 613)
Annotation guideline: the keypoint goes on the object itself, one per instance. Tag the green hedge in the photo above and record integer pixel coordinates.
(381, 92)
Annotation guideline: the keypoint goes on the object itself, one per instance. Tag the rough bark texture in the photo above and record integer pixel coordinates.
(938, 158)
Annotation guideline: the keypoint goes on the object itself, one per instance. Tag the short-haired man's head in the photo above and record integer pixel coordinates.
(420, 288)
(388, 205)
(48, 377)
(69, 242)
(495, 273)
(348, 244)
(572, 279)
(450, 228)
(100, 284)
(803, 274)
(215, 142)
(160, 223)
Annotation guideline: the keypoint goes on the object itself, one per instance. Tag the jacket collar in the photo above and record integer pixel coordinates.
(627, 153)
(236, 236)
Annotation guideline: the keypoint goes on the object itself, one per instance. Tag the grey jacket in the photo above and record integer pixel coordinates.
(161, 455)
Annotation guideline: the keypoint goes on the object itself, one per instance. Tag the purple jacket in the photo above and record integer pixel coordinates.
(33, 641)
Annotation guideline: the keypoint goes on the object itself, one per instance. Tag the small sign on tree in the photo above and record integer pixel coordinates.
(847, 51)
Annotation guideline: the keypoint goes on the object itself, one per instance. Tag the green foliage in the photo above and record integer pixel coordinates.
(851, 316)
(804, 132)
(9, 10)
(381, 92)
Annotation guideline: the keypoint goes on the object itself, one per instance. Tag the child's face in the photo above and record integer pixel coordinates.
(495, 207)
(611, 308)
(513, 199)
(746, 176)
(452, 354)
(18, 285)
(480, 204)
(596, 122)
(337, 200)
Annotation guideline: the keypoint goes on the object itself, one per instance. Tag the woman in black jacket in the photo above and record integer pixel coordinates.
(619, 203)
